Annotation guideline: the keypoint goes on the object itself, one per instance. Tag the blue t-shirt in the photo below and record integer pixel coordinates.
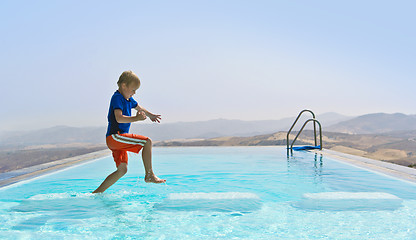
(119, 102)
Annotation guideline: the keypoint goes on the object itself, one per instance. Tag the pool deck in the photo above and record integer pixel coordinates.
(15, 176)
(390, 169)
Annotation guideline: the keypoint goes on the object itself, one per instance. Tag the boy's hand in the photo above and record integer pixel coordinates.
(140, 116)
(154, 117)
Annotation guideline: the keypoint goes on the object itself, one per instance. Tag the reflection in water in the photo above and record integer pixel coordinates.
(318, 165)
(298, 163)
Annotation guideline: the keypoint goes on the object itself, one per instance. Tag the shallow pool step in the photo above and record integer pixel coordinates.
(349, 201)
(213, 201)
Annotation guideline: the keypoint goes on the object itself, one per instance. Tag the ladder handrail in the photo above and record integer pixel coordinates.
(300, 114)
(320, 133)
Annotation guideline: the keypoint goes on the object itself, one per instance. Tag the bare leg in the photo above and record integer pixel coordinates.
(112, 178)
(147, 162)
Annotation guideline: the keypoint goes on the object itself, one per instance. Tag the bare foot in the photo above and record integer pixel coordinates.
(152, 178)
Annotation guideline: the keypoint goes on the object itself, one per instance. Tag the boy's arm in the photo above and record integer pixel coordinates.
(120, 118)
(153, 117)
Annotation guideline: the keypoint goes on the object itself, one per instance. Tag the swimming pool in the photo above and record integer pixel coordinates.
(212, 193)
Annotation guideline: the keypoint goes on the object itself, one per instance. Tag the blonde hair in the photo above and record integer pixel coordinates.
(128, 77)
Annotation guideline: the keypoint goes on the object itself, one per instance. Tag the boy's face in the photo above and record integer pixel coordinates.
(129, 90)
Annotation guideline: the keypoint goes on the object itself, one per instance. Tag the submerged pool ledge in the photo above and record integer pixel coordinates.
(15, 176)
(387, 168)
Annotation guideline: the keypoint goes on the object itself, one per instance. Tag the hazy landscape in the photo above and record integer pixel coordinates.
(387, 137)
(13, 159)
(390, 148)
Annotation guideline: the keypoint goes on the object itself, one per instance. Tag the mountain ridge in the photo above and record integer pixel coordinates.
(158, 132)
(374, 123)
(390, 143)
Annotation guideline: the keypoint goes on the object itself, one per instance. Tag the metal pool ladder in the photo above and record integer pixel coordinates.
(314, 132)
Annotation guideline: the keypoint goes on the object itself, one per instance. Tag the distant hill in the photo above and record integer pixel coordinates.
(27, 157)
(388, 137)
(159, 132)
(53, 135)
(396, 149)
(375, 123)
(224, 127)
(378, 123)
(408, 134)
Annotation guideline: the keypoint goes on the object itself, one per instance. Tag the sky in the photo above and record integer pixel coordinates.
(203, 60)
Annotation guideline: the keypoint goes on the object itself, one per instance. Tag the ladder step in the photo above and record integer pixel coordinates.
(306, 148)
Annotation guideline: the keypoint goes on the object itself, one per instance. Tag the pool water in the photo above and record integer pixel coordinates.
(211, 193)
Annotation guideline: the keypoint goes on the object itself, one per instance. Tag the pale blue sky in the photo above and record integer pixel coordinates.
(201, 60)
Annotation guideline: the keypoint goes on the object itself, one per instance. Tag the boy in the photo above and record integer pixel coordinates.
(119, 141)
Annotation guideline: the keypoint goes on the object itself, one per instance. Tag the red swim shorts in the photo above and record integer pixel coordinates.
(119, 144)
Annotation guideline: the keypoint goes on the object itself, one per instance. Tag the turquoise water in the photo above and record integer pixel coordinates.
(211, 193)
